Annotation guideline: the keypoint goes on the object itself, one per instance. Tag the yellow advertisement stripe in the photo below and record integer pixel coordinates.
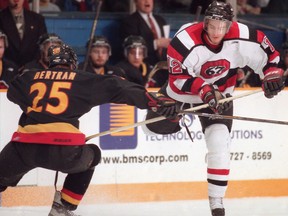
(146, 192)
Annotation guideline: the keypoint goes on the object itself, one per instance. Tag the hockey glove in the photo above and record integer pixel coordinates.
(273, 82)
(211, 95)
(162, 105)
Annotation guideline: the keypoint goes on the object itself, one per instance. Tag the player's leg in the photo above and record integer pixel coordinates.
(218, 141)
(77, 181)
(12, 166)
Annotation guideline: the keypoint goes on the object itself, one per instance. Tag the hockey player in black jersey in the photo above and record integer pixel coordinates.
(203, 59)
(48, 135)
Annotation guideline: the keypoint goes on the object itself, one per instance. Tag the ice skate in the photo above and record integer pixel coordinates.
(58, 208)
(218, 212)
(216, 206)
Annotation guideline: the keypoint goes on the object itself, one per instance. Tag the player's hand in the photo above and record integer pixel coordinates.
(211, 95)
(273, 82)
(162, 105)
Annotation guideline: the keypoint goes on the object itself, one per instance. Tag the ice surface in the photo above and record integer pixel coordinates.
(277, 206)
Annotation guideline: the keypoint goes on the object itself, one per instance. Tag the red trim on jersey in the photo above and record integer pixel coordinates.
(231, 82)
(174, 54)
(71, 194)
(51, 138)
(260, 36)
(234, 31)
(195, 31)
(218, 171)
(172, 79)
(196, 85)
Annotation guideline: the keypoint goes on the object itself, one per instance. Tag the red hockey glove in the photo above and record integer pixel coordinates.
(162, 105)
(273, 82)
(211, 95)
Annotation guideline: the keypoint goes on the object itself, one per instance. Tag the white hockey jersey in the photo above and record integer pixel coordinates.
(192, 63)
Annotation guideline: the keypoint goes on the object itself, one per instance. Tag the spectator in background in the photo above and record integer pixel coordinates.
(173, 6)
(98, 58)
(259, 3)
(23, 29)
(244, 7)
(5, 3)
(135, 51)
(45, 41)
(276, 7)
(7, 68)
(148, 25)
(204, 4)
(47, 6)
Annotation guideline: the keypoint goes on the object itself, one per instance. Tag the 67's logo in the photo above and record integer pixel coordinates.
(214, 68)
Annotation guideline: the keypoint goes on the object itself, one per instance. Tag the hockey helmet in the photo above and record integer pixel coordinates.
(62, 55)
(49, 37)
(100, 41)
(134, 41)
(4, 36)
(219, 11)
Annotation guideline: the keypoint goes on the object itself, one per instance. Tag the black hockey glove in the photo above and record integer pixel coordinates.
(273, 82)
(211, 95)
(162, 105)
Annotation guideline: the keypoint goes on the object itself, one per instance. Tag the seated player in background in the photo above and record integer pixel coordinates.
(98, 58)
(45, 41)
(8, 69)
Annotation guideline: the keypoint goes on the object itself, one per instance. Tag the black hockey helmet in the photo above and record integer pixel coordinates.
(134, 41)
(219, 11)
(49, 37)
(100, 41)
(62, 55)
(4, 36)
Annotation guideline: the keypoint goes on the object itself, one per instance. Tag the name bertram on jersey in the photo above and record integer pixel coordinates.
(55, 75)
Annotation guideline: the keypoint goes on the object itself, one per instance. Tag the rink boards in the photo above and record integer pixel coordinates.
(136, 167)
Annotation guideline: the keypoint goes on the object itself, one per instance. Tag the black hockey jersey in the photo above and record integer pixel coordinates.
(52, 101)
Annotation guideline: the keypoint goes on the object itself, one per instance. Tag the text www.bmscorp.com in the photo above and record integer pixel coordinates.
(160, 159)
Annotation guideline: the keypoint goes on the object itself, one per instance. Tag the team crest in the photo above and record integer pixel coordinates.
(214, 68)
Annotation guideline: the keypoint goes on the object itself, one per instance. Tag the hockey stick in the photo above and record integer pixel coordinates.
(198, 13)
(244, 80)
(218, 116)
(161, 65)
(149, 121)
(92, 33)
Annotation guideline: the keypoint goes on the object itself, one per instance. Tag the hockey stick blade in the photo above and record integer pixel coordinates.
(218, 116)
(149, 121)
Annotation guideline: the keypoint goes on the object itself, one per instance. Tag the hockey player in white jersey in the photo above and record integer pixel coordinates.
(203, 59)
